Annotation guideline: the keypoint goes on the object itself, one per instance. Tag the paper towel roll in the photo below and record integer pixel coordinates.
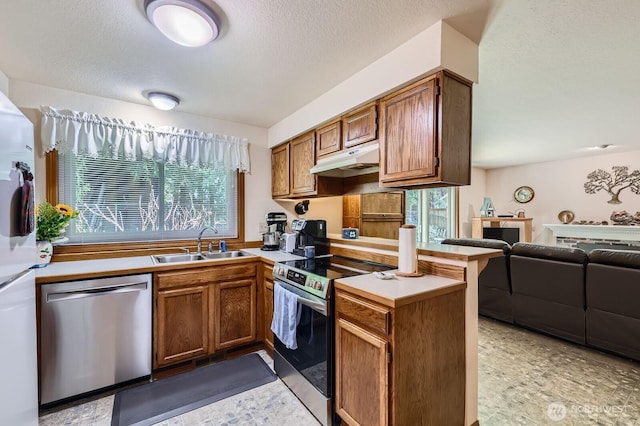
(407, 259)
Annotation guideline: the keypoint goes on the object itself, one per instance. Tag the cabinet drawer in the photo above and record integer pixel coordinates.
(374, 317)
(205, 275)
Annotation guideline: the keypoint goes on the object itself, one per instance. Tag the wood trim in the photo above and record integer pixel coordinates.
(51, 176)
(443, 270)
(365, 255)
(91, 251)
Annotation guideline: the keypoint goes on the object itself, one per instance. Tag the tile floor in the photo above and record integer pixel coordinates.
(525, 379)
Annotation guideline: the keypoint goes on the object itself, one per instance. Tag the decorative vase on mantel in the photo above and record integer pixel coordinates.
(44, 248)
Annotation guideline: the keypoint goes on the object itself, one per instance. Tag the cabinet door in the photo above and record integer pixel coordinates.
(181, 324)
(359, 126)
(383, 205)
(280, 171)
(329, 138)
(268, 313)
(303, 158)
(381, 228)
(234, 305)
(362, 375)
(408, 134)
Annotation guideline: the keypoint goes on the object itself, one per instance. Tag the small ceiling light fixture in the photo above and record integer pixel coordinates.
(189, 23)
(604, 146)
(163, 101)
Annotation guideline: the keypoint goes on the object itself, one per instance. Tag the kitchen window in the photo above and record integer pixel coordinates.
(433, 212)
(144, 200)
(134, 182)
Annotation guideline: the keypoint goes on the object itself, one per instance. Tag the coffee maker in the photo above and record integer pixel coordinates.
(310, 233)
(276, 224)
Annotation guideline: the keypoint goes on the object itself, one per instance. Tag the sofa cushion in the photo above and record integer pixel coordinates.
(561, 254)
(477, 242)
(625, 259)
(550, 280)
(613, 289)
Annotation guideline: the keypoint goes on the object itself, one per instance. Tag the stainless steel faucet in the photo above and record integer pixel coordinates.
(215, 231)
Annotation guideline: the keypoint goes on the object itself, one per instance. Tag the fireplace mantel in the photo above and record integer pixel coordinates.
(602, 232)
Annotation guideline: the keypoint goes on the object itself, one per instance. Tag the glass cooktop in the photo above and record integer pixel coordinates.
(333, 267)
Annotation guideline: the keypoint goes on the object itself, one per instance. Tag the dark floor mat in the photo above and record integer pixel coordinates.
(170, 397)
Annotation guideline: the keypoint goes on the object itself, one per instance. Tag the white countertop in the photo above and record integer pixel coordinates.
(127, 264)
(273, 256)
(81, 269)
(400, 290)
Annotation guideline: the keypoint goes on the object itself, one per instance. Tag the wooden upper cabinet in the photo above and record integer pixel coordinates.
(425, 133)
(280, 171)
(302, 159)
(359, 126)
(408, 147)
(329, 138)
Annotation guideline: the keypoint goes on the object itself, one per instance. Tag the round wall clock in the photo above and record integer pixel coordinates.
(523, 194)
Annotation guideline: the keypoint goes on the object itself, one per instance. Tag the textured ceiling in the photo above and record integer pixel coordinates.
(555, 76)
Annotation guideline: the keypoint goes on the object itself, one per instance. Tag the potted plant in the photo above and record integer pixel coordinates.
(51, 222)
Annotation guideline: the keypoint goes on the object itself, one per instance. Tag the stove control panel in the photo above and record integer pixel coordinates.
(309, 282)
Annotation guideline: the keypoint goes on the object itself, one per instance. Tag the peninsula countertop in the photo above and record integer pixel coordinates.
(398, 291)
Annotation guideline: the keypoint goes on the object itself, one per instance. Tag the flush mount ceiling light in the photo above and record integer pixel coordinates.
(163, 101)
(190, 23)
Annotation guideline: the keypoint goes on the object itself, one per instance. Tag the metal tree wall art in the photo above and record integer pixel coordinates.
(613, 183)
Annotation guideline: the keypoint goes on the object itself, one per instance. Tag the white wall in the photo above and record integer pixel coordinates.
(327, 208)
(420, 55)
(257, 184)
(470, 200)
(4, 84)
(559, 185)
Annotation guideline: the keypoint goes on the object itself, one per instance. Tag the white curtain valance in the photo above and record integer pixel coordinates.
(89, 134)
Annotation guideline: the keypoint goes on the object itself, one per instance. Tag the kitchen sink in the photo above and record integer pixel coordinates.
(174, 258)
(223, 254)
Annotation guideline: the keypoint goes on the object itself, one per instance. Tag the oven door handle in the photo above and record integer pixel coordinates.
(318, 307)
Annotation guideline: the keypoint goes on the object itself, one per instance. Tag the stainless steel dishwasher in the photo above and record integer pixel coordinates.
(93, 334)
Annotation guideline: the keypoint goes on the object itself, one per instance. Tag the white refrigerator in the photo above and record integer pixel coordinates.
(18, 365)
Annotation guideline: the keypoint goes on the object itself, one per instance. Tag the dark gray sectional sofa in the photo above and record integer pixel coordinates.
(591, 298)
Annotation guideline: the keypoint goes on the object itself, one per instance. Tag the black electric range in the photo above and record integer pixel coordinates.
(315, 275)
(308, 369)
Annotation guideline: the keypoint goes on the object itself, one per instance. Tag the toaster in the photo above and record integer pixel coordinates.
(287, 242)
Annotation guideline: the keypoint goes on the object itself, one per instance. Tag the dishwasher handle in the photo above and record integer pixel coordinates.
(96, 291)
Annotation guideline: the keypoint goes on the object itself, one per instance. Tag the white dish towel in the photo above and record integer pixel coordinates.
(286, 316)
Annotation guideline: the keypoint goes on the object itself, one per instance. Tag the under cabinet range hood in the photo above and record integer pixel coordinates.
(357, 161)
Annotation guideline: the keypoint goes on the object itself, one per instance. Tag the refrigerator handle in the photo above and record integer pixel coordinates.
(13, 278)
(99, 291)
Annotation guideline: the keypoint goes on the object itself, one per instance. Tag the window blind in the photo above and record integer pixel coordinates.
(144, 200)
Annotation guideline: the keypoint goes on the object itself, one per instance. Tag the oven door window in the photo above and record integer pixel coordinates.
(311, 359)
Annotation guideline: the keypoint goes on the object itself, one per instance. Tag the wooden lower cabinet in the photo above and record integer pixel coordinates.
(181, 323)
(234, 313)
(400, 365)
(362, 374)
(202, 310)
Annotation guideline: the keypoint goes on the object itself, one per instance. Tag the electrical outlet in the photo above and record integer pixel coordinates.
(262, 227)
